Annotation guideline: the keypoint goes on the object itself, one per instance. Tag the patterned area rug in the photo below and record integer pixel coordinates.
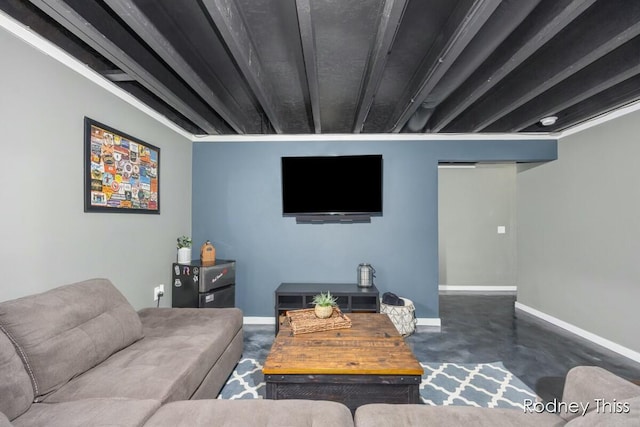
(487, 385)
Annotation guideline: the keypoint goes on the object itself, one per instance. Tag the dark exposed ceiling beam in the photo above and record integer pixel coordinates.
(29, 15)
(307, 39)
(571, 51)
(139, 22)
(117, 76)
(615, 97)
(148, 98)
(466, 20)
(621, 64)
(571, 58)
(506, 18)
(180, 98)
(547, 20)
(390, 18)
(231, 25)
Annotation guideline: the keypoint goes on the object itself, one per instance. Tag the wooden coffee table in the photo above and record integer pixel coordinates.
(367, 363)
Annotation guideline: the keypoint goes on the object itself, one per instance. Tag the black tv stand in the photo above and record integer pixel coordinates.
(351, 297)
(324, 219)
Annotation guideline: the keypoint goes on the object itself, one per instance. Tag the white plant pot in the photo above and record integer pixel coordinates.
(184, 255)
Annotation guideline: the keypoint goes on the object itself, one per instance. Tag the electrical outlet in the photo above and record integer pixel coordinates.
(158, 291)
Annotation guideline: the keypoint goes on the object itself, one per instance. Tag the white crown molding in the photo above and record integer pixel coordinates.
(627, 352)
(28, 36)
(603, 118)
(368, 137)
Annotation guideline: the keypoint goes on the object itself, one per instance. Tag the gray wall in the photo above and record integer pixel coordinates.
(579, 232)
(45, 237)
(472, 203)
(237, 205)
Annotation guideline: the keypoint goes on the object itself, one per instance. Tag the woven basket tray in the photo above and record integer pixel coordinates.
(305, 321)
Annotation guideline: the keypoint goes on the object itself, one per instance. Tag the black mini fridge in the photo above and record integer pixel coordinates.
(210, 285)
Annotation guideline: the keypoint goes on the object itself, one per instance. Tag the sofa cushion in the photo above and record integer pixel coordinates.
(63, 332)
(626, 413)
(586, 383)
(16, 393)
(89, 412)
(179, 348)
(254, 413)
(385, 415)
(4, 421)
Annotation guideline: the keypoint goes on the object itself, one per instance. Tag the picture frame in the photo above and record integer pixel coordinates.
(121, 172)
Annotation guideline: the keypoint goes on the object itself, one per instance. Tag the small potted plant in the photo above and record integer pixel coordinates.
(184, 249)
(324, 304)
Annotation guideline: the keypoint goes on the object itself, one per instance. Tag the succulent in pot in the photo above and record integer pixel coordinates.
(324, 304)
(184, 249)
(184, 242)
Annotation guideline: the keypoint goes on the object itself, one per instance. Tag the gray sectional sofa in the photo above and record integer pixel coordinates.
(597, 398)
(80, 355)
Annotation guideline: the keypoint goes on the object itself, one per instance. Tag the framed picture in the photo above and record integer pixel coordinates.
(121, 173)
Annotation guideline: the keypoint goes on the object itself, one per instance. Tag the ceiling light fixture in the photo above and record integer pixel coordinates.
(548, 121)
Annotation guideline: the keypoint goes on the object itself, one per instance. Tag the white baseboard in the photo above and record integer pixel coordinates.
(627, 352)
(429, 321)
(255, 320)
(474, 288)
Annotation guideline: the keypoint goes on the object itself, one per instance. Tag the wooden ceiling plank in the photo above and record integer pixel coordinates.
(66, 16)
(590, 38)
(307, 39)
(464, 23)
(390, 18)
(547, 20)
(143, 27)
(616, 67)
(231, 25)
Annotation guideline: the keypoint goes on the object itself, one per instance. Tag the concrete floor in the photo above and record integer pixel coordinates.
(486, 328)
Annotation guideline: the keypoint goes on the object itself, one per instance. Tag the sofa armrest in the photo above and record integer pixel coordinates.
(590, 384)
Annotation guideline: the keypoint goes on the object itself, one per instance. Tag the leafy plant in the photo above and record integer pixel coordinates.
(324, 300)
(184, 242)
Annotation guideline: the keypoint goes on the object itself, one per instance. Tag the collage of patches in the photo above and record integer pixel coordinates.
(124, 174)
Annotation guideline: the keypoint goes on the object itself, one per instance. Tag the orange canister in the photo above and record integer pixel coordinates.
(207, 253)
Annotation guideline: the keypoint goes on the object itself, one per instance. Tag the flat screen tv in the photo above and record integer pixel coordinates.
(332, 185)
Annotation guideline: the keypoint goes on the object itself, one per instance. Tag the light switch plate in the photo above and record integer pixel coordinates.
(502, 229)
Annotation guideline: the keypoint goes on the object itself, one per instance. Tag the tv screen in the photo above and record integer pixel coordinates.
(332, 185)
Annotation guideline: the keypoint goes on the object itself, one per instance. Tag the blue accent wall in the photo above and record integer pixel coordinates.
(237, 204)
